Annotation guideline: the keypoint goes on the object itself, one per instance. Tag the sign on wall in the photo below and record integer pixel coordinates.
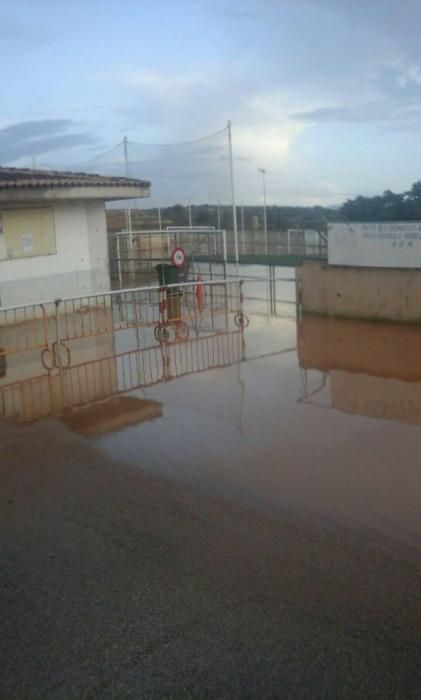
(27, 233)
(394, 244)
(27, 244)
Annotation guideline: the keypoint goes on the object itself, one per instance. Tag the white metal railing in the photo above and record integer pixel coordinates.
(162, 313)
(25, 327)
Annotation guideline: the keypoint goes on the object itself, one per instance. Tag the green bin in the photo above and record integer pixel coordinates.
(167, 274)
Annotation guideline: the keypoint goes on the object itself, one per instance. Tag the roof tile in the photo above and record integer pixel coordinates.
(24, 178)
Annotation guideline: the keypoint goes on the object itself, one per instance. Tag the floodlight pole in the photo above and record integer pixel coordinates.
(128, 210)
(265, 224)
(189, 210)
(234, 208)
(242, 228)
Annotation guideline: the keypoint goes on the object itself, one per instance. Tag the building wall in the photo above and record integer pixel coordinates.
(369, 293)
(79, 266)
(98, 246)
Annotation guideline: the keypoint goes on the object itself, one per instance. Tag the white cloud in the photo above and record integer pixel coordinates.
(268, 133)
(412, 74)
(263, 134)
(261, 126)
(266, 142)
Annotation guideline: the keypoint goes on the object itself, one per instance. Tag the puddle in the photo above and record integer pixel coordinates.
(112, 414)
(322, 416)
(338, 442)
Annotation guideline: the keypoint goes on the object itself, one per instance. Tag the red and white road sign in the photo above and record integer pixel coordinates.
(178, 257)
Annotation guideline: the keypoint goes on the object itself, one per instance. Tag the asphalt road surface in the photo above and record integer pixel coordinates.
(118, 584)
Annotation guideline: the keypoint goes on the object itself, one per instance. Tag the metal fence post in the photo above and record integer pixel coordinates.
(299, 301)
(58, 333)
(243, 342)
(57, 353)
(120, 278)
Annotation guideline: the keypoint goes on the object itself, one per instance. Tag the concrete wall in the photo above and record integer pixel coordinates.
(80, 265)
(369, 293)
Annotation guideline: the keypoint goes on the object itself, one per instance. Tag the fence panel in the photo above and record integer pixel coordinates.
(26, 327)
(147, 313)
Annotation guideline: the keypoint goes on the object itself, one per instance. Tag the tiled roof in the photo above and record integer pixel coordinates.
(24, 178)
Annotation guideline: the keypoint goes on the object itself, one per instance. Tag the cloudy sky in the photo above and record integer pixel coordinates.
(324, 94)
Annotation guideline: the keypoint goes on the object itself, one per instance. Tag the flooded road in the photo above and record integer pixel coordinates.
(320, 416)
(228, 511)
(334, 441)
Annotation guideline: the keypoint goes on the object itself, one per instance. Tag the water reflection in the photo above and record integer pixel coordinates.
(98, 373)
(370, 369)
(253, 429)
(3, 364)
(112, 415)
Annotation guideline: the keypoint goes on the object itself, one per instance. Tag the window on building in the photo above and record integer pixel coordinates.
(27, 233)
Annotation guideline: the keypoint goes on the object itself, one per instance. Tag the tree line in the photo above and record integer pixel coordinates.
(389, 206)
(279, 218)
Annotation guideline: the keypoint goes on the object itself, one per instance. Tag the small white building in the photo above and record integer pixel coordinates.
(53, 233)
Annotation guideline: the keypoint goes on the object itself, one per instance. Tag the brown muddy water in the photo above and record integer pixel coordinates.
(321, 417)
(329, 423)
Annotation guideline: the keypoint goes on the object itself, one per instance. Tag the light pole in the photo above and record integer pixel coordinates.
(242, 228)
(128, 210)
(234, 208)
(189, 211)
(265, 225)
